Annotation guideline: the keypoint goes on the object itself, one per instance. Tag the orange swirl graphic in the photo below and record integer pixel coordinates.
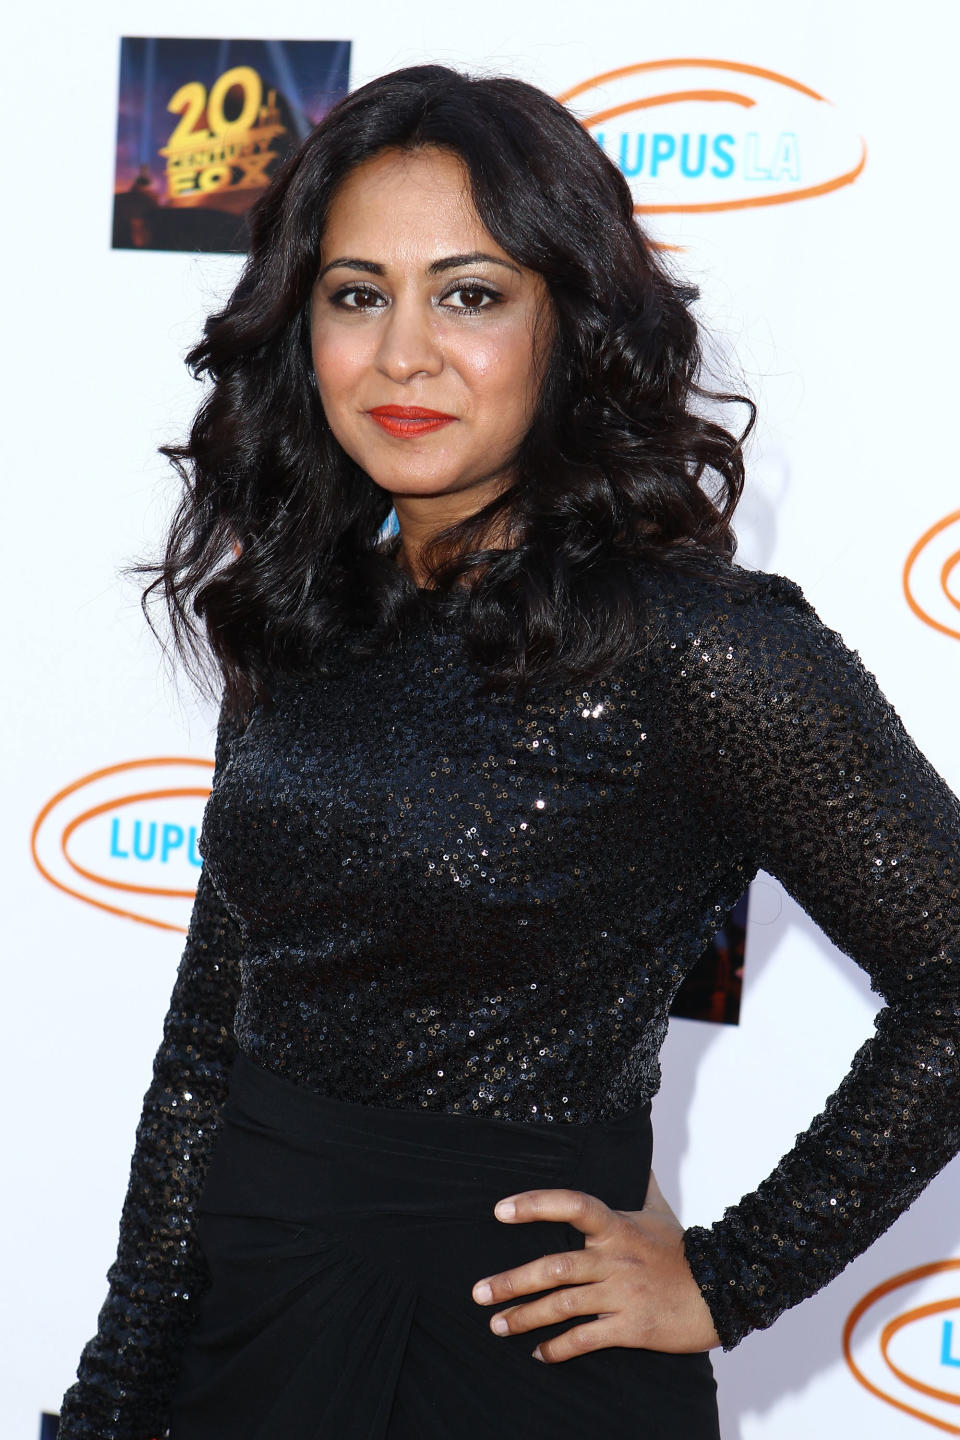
(134, 798)
(734, 97)
(123, 768)
(733, 65)
(897, 1282)
(948, 566)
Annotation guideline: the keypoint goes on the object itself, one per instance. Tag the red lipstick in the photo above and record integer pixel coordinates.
(405, 421)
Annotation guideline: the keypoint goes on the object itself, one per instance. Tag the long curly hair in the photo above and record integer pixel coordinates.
(277, 552)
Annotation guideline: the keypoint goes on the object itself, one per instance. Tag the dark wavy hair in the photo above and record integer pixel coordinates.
(276, 553)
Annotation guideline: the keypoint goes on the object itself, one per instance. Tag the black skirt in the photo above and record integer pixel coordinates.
(343, 1242)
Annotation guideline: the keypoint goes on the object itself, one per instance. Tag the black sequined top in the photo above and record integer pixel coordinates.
(414, 898)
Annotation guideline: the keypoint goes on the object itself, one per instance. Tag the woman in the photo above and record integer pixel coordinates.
(483, 792)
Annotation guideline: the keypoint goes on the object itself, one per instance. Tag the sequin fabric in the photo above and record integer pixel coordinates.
(412, 897)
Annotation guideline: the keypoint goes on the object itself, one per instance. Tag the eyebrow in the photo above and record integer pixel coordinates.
(449, 262)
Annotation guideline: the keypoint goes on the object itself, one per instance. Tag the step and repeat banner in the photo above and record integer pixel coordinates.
(792, 164)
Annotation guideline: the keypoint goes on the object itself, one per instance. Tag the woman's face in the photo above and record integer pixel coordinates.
(418, 309)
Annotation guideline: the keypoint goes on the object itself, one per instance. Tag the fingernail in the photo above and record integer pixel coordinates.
(537, 1356)
(505, 1210)
(482, 1293)
(499, 1325)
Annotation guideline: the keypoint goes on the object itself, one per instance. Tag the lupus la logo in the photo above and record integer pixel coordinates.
(913, 1361)
(124, 838)
(931, 576)
(703, 135)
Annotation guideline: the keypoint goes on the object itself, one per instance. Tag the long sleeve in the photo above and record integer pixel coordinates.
(127, 1370)
(831, 795)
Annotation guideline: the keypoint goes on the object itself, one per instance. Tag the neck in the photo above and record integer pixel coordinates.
(422, 517)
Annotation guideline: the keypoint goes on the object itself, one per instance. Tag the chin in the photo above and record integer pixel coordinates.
(418, 484)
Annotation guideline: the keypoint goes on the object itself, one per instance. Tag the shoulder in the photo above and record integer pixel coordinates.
(231, 724)
(749, 640)
(722, 600)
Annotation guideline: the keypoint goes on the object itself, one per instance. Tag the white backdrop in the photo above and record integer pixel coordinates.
(841, 311)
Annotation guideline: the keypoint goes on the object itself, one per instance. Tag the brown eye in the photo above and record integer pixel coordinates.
(356, 297)
(471, 297)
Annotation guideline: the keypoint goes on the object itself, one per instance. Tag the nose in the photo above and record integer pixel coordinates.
(408, 343)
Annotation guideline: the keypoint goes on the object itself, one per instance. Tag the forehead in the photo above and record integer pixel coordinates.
(406, 202)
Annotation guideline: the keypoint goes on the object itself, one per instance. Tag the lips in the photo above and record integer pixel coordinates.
(406, 421)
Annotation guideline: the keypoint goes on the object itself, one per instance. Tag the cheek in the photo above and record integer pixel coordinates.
(499, 367)
(339, 361)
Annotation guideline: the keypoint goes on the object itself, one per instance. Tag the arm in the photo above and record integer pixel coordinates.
(833, 797)
(127, 1370)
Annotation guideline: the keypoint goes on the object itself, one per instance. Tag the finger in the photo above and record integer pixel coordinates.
(578, 1340)
(566, 1268)
(552, 1309)
(586, 1212)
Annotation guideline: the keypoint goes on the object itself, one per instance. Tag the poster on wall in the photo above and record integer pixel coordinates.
(711, 990)
(202, 126)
